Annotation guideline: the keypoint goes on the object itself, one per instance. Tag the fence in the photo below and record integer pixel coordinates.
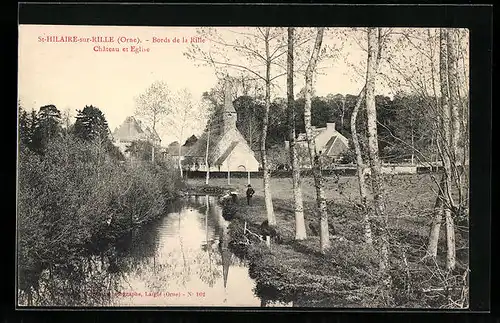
(340, 171)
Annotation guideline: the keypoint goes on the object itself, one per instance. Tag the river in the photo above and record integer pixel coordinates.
(180, 259)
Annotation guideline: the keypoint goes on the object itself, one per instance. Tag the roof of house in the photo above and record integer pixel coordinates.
(334, 146)
(226, 153)
(219, 146)
(132, 129)
(315, 131)
(200, 147)
(173, 149)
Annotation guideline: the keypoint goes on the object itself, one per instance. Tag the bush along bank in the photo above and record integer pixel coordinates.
(346, 276)
(74, 199)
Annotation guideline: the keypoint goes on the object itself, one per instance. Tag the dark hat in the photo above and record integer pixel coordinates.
(249, 185)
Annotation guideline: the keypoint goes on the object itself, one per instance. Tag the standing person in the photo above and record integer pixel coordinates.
(250, 193)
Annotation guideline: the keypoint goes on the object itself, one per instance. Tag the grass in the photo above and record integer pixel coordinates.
(347, 275)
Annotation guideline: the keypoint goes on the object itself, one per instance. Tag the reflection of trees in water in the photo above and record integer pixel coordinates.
(160, 273)
(92, 280)
(207, 269)
(80, 282)
(177, 267)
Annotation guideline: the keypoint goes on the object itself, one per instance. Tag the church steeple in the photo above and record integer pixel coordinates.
(230, 115)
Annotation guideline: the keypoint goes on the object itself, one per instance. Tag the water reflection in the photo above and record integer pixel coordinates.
(181, 259)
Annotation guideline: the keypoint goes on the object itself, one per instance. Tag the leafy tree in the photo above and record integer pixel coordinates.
(153, 105)
(91, 124)
(140, 149)
(27, 124)
(47, 127)
(250, 112)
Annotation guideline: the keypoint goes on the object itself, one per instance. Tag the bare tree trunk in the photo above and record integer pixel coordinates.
(180, 161)
(300, 228)
(455, 133)
(265, 167)
(412, 142)
(450, 240)
(436, 222)
(153, 141)
(445, 146)
(343, 112)
(454, 90)
(315, 160)
(375, 164)
(361, 166)
(361, 170)
(439, 204)
(207, 168)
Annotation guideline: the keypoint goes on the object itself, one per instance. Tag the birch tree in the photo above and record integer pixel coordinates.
(447, 103)
(185, 117)
(314, 158)
(375, 164)
(360, 164)
(152, 106)
(253, 51)
(447, 147)
(300, 229)
(454, 130)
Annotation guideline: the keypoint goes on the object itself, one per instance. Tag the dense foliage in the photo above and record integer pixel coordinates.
(76, 194)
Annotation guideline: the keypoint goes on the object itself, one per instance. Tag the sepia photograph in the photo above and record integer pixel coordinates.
(312, 167)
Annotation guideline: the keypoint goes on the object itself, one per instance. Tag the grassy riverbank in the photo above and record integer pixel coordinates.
(348, 274)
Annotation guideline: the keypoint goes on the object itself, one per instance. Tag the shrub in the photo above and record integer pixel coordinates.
(78, 198)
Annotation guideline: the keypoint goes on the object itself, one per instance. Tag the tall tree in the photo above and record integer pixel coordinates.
(48, 126)
(263, 154)
(300, 229)
(184, 116)
(24, 127)
(444, 203)
(91, 124)
(314, 158)
(361, 170)
(373, 150)
(255, 52)
(153, 105)
(361, 166)
(453, 150)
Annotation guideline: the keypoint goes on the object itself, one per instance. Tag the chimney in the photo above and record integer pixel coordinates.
(330, 126)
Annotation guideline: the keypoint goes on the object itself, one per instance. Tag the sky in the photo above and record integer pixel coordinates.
(71, 75)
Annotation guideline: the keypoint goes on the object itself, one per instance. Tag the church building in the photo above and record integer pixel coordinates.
(226, 147)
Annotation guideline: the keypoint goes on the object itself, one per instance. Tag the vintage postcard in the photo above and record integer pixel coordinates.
(243, 167)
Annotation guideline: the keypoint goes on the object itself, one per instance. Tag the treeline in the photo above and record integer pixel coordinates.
(403, 122)
(76, 194)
